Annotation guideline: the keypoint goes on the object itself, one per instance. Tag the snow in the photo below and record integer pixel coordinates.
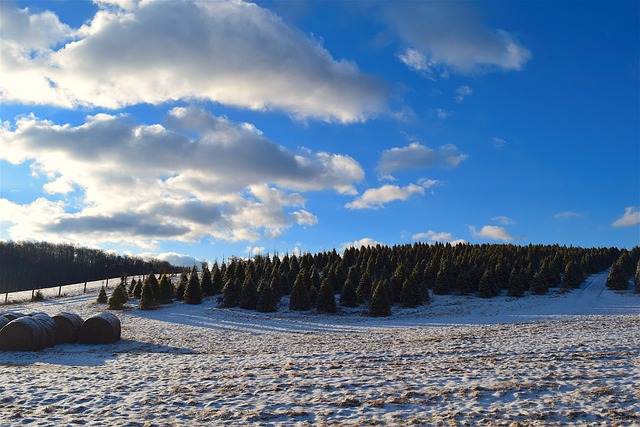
(556, 359)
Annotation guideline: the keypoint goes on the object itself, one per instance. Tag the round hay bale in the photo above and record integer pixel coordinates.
(103, 328)
(13, 316)
(3, 321)
(48, 329)
(67, 327)
(22, 334)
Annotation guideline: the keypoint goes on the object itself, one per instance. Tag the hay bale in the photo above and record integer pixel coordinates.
(67, 327)
(13, 316)
(103, 328)
(23, 334)
(48, 326)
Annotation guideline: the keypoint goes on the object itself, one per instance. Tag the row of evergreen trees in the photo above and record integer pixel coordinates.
(376, 278)
(626, 267)
(36, 265)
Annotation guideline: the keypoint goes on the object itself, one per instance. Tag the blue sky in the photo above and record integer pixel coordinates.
(208, 129)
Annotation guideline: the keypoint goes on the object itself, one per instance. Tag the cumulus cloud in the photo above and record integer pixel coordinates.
(630, 217)
(172, 258)
(432, 236)
(442, 36)
(196, 175)
(230, 52)
(366, 242)
(492, 232)
(376, 198)
(418, 156)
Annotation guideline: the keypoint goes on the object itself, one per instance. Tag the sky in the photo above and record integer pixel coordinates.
(204, 129)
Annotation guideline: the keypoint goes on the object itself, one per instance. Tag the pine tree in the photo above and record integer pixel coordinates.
(572, 275)
(249, 293)
(167, 292)
(379, 306)
(137, 290)
(410, 293)
(267, 300)
(442, 286)
(539, 283)
(147, 299)
(326, 301)
(132, 288)
(348, 296)
(299, 300)
(118, 297)
(514, 285)
(231, 293)
(216, 279)
(155, 286)
(206, 283)
(182, 285)
(617, 280)
(365, 285)
(636, 278)
(488, 287)
(193, 292)
(102, 296)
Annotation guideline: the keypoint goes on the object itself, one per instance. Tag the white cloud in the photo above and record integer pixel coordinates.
(567, 215)
(433, 237)
(196, 175)
(230, 52)
(376, 198)
(366, 242)
(492, 232)
(418, 156)
(503, 220)
(631, 217)
(450, 35)
(29, 31)
(172, 258)
(462, 92)
(498, 142)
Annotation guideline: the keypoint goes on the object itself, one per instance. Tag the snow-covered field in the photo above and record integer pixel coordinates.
(557, 359)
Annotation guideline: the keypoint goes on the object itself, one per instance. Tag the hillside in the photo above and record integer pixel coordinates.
(555, 359)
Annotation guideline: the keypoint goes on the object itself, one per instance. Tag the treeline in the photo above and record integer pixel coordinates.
(35, 265)
(377, 278)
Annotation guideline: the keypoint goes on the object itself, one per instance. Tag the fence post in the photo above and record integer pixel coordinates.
(107, 286)
(33, 293)
(6, 297)
(60, 290)
(85, 288)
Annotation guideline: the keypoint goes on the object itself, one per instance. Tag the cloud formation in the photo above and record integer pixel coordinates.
(492, 232)
(376, 198)
(432, 236)
(230, 52)
(630, 217)
(418, 156)
(567, 215)
(366, 242)
(443, 36)
(196, 175)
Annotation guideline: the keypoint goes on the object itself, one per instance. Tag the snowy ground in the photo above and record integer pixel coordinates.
(557, 359)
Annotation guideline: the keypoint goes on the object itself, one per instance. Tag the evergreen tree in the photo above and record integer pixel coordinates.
(442, 285)
(118, 297)
(155, 286)
(182, 285)
(102, 296)
(132, 288)
(167, 292)
(267, 300)
(572, 275)
(231, 293)
(514, 285)
(217, 279)
(137, 290)
(488, 287)
(410, 295)
(299, 300)
(348, 296)
(379, 305)
(326, 301)
(617, 279)
(539, 283)
(147, 299)
(193, 292)
(365, 285)
(249, 294)
(636, 278)
(206, 283)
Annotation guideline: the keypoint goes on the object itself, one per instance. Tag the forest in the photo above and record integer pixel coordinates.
(377, 278)
(36, 265)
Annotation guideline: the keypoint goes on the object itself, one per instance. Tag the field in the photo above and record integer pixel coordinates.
(557, 359)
